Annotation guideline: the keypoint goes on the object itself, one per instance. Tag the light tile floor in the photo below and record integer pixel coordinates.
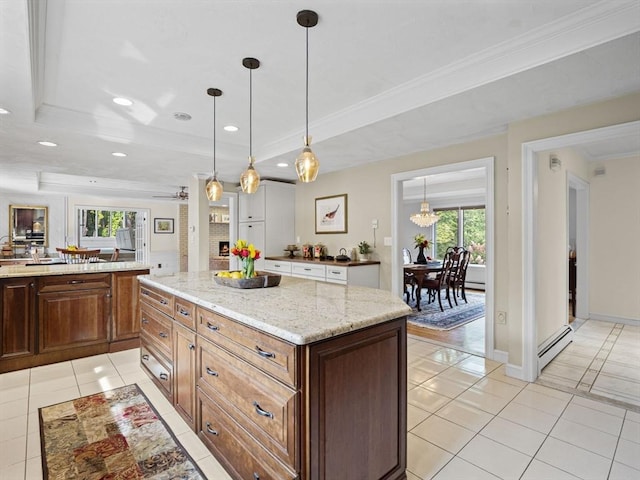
(466, 420)
(603, 362)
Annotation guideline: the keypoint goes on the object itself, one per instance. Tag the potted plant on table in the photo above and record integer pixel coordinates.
(421, 243)
(365, 250)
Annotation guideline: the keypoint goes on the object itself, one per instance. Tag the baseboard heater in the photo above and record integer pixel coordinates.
(554, 346)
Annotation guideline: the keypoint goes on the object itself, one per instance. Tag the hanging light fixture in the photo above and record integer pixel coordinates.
(250, 179)
(307, 164)
(214, 187)
(425, 218)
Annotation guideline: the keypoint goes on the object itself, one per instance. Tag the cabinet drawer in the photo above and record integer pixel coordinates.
(283, 268)
(185, 313)
(82, 281)
(159, 369)
(270, 354)
(157, 328)
(308, 270)
(234, 447)
(262, 405)
(161, 300)
(338, 274)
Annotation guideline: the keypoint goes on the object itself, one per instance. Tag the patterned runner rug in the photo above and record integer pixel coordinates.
(432, 317)
(111, 435)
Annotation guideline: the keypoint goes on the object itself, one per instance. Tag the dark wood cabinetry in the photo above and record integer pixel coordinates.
(17, 331)
(52, 318)
(184, 365)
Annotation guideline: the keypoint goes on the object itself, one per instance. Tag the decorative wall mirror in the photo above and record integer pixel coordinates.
(28, 225)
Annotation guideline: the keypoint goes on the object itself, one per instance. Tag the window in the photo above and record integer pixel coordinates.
(462, 226)
(104, 223)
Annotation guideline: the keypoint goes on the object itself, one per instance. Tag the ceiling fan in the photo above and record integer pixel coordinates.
(181, 195)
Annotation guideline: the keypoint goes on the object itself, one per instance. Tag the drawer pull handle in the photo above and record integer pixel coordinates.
(256, 476)
(307, 269)
(164, 376)
(74, 282)
(211, 430)
(262, 412)
(144, 292)
(212, 327)
(264, 354)
(183, 312)
(335, 273)
(145, 357)
(163, 301)
(192, 346)
(163, 335)
(144, 320)
(213, 373)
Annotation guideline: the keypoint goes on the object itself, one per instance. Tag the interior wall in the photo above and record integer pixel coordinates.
(601, 114)
(552, 240)
(614, 230)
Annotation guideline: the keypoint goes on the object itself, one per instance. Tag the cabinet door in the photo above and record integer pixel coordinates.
(184, 367)
(251, 206)
(73, 319)
(17, 332)
(125, 321)
(253, 232)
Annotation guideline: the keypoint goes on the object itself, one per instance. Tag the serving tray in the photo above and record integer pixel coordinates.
(261, 280)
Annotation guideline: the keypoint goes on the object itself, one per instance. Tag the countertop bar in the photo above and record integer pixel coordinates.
(352, 263)
(299, 311)
(14, 271)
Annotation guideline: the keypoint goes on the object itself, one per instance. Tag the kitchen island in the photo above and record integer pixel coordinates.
(52, 313)
(304, 380)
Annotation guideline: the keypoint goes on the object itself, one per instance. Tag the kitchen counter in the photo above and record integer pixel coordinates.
(299, 311)
(41, 270)
(351, 263)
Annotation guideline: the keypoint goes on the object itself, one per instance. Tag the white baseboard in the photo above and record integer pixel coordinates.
(501, 356)
(514, 371)
(614, 319)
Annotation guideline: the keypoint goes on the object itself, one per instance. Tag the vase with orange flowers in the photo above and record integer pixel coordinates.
(247, 254)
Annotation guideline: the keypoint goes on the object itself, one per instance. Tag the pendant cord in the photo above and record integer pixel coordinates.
(307, 91)
(250, 114)
(214, 137)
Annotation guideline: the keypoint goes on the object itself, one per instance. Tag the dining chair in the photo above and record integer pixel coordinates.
(409, 278)
(458, 273)
(436, 285)
(115, 255)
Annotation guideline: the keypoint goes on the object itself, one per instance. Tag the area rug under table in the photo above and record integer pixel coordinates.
(114, 435)
(432, 317)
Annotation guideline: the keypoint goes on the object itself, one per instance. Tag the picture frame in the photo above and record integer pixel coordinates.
(163, 225)
(331, 214)
(225, 218)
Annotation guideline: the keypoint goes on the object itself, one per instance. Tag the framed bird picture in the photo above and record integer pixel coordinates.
(331, 214)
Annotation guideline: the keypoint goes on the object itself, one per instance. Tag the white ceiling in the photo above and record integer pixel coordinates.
(387, 78)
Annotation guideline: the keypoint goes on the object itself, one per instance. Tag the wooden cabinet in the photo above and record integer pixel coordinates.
(184, 366)
(125, 331)
(52, 318)
(73, 311)
(168, 348)
(17, 328)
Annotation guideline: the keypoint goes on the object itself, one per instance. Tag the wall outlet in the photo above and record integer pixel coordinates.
(502, 318)
(387, 241)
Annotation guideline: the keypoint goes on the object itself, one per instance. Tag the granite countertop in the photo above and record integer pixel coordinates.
(351, 263)
(41, 270)
(298, 310)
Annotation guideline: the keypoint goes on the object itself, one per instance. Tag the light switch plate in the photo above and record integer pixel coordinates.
(387, 241)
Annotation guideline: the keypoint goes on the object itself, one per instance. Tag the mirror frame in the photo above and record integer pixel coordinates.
(13, 218)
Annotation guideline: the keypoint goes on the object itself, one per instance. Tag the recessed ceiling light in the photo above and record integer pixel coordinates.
(119, 154)
(282, 164)
(4, 111)
(185, 117)
(48, 144)
(122, 101)
(231, 128)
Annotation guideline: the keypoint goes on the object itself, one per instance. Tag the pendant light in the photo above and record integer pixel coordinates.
(214, 187)
(425, 218)
(250, 179)
(307, 164)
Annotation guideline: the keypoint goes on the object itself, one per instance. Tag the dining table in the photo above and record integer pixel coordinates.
(420, 271)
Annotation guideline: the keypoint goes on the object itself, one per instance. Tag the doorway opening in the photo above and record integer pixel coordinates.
(402, 235)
